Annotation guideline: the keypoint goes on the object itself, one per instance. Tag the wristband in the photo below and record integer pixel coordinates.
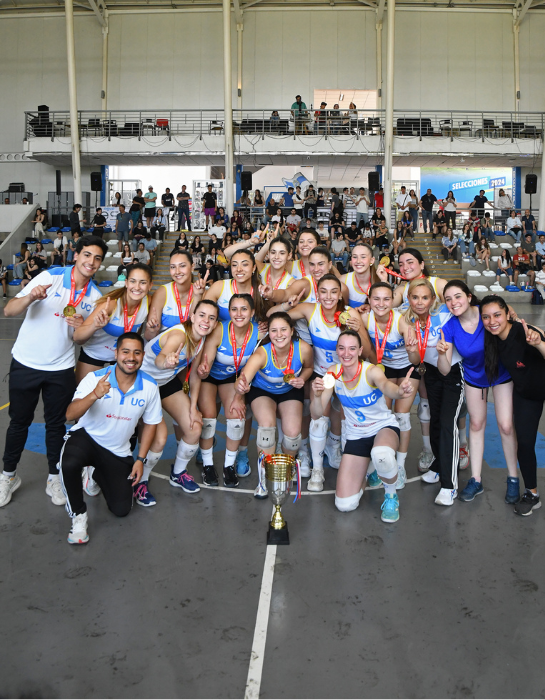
(141, 459)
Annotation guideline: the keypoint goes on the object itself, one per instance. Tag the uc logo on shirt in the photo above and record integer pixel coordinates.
(138, 402)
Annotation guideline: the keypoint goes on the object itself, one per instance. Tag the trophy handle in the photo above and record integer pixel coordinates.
(298, 467)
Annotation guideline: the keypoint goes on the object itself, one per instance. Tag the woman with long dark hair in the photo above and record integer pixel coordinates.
(449, 204)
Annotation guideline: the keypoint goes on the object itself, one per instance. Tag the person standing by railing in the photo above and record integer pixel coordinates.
(167, 200)
(300, 115)
(427, 202)
(504, 203)
(449, 204)
(183, 199)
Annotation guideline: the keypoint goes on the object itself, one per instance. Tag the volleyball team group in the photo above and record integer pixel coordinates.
(328, 367)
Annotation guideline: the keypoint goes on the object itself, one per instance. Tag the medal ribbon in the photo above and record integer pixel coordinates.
(243, 347)
(288, 362)
(380, 348)
(340, 372)
(184, 315)
(236, 288)
(127, 325)
(73, 301)
(359, 287)
(422, 344)
(268, 280)
(302, 268)
(335, 317)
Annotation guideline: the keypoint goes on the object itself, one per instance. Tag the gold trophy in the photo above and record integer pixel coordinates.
(280, 470)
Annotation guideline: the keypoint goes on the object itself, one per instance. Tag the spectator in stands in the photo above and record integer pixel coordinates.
(478, 203)
(337, 206)
(197, 250)
(529, 247)
(439, 225)
(362, 207)
(402, 202)
(505, 266)
(298, 201)
(367, 233)
(482, 252)
(414, 206)
(32, 271)
(6, 200)
(475, 222)
(323, 232)
(123, 226)
(98, 223)
(381, 238)
(320, 198)
(221, 217)
(274, 120)
(181, 242)
(142, 255)
(377, 218)
(465, 241)
(308, 224)
(504, 203)
(379, 198)
(183, 198)
(150, 244)
(237, 223)
(336, 220)
(117, 200)
(60, 245)
(244, 200)
(539, 280)
(346, 198)
(521, 263)
(139, 233)
(450, 246)
(300, 118)
(74, 219)
(529, 223)
(258, 199)
(159, 225)
(352, 234)
(38, 222)
(487, 230)
(286, 201)
(25, 201)
(449, 207)
(4, 278)
(320, 119)
(150, 199)
(278, 218)
(127, 258)
(310, 199)
(540, 250)
(293, 221)
(167, 201)
(340, 250)
(213, 242)
(513, 226)
(351, 119)
(335, 120)
(407, 223)
(270, 209)
(40, 255)
(227, 241)
(210, 206)
(398, 240)
(426, 203)
(72, 243)
(137, 206)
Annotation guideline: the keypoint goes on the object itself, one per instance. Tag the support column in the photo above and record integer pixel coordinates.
(228, 106)
(104, 93)
(389, 116)
(240, 29)
(516, 62)
(238, 187)
(73, 100)
(379, 64)
(541, 214)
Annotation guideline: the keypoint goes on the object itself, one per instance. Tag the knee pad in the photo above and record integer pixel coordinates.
(335, 403)
(318, 428)
(345, 505)
(404, 421)
(249, 414)
(208, 428)
(186, 451)
(235, 428)
(266, 438)
(292, 443)
(423, 411)
(384, 459)
(306, 407)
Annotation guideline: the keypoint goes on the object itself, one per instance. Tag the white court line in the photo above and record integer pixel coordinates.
(255, 670)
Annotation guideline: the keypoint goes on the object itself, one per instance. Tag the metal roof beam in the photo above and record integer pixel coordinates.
(380, 11)
(99, 12)
(522, 12)
(238, 12)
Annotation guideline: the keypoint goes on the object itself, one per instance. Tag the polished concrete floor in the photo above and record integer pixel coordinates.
(446, 603)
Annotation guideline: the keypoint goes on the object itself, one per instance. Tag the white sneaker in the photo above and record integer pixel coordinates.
(304, 460)
(260, 491)
(78, 532)
(8, 484)
(401, 478)
(446, 497)
(333, 452)
(463, 462)
(316, 481)
(425, 460)
(430, 477)
(90, 486)
(445, 262)
(54, 490)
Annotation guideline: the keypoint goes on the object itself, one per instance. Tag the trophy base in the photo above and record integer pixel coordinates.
(278, 536)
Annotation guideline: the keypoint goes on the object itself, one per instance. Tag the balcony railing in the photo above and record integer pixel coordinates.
(197, 124)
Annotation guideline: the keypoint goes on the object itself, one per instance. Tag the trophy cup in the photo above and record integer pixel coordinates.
(280, 470)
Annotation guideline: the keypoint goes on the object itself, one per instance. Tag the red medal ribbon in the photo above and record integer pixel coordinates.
(288, 362)
(302, 268)
(340, 372)
(361, 290)
(184, 315)
(127, 325)
(335, 317)
(236, 288)
(243, 347)
(268, 279)
(422, 345)
(382, 347)
(73, 301)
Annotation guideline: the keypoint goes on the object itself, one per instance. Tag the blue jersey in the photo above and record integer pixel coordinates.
(223, 366)
(271, 377)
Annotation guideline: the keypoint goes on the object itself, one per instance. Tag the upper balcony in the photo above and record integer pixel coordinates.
(122, 137)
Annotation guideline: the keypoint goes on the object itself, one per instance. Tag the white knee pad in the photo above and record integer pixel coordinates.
(306, 407)
(345, 505)
(185, 451)
(266, 438)
(292, 443)
(249, 414)
(235, 428)
(335, 403)
(404, 421)
(384, 459)
(318, 428)
(423, 411)
(208, 428)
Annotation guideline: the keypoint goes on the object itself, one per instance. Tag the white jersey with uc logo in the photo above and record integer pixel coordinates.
(324, 339)
(365, 409)
(395, 353)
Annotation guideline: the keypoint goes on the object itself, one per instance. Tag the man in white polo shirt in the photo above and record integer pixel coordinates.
(55, 302)
(108, 404)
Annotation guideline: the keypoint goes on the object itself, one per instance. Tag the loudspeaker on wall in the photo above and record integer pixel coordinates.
(373, 181)
(246, 180)
(96, 182)
(530, 185)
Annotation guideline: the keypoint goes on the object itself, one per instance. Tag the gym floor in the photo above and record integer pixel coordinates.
(185, 600)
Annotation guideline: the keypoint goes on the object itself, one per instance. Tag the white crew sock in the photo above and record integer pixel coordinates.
(304, 445)
(427, 443)
(230, 457)
(333, 439)
(55, 477)
(184, 454)
(390, 489)
(463, 437)
(208, 457)
(10, 474)
(401, 457)
(151, 462)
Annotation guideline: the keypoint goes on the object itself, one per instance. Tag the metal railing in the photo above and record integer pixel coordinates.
(140, 124)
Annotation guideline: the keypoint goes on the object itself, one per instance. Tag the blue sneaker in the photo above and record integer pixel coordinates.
(473, 488)
(390, 509)
(184, 481)
(142, 495)
(512, 495)
(242, 464)
(373, 481)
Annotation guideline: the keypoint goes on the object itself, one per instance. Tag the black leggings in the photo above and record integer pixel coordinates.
(446, 397)
(527, 413)
(450, 216)
(111, 474)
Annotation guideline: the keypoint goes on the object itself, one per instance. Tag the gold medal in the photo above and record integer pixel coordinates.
(69, 310)
(329, 381)
(288, 377)
(344, 317)
(186, 387)
(385, 261)
(421, 369)
(381, 367)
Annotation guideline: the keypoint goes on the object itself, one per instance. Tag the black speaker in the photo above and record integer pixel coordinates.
(246, 180)
(373, 181)
(96, 182)
(58, 189)
(530, 186)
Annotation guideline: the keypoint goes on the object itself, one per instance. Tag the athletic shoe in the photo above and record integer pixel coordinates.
(332, 451)
(78, 531)
(90, 486)
(229, 477)
(242, 464)
(390, 509)
(54, 490)
(316, 481)
(425, 460)
(446, 497)
(463, 462)
(143, 496)
(261, 492)
(527, 504)
(184, 481)
(512, 495)
(8, 484)
(209, 475)
(304, 459)
(401, 478)
(473, 488)
(430, 477)
(373, 480)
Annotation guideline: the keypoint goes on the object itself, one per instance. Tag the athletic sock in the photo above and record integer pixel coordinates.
(243, 448)
(230, 457)
(463, 437)
(390, 489)
(401, 457)
(184, 454)
(10, 474)
(333, 439)
(54, 477)
(304, 445)
(427, 443)
(151, 462)
(208, 457)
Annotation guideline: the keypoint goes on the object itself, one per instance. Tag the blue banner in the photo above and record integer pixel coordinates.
(465, 182)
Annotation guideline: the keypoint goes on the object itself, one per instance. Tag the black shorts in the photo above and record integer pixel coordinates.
(84, 357)
(292, 395)
(227, 380)
(148, 213)
(395, 373)
(363, 446)
(490, 386)
(173, 387)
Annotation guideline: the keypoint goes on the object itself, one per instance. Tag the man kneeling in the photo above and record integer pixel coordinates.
(108, 405)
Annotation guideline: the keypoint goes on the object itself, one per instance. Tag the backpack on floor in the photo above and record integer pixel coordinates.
(537, 299)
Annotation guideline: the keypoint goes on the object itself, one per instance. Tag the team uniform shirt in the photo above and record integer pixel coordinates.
(471, 348)
(297, 272)
(224, 298)
(102, 344)
(223, 366)
(112, 419)
(365, 410)
(285, 280)
(438, 321)
(395, 352)
(405, 303)
(301, 325)
(324, 339)
(356, 298)
(154, 347)
(45, 340)
(170, 316)
(271, 377)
